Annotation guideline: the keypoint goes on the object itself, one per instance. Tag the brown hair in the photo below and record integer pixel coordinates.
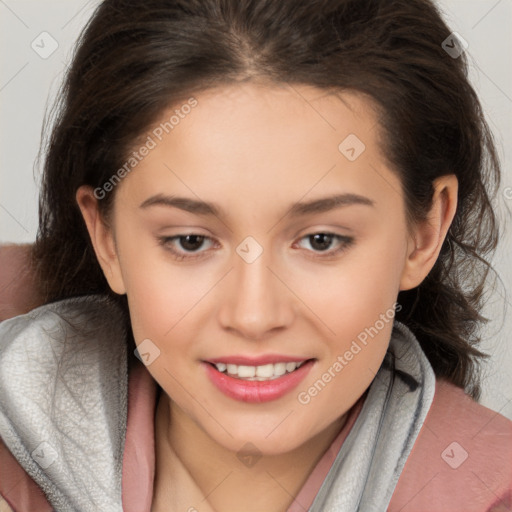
(135, 59)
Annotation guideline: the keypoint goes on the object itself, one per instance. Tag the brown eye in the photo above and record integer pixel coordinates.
(191, 242)
(186, 246)
(322, 243)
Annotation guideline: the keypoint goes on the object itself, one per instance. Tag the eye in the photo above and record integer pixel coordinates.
(188, 246)
(185, 246)
(322, 243)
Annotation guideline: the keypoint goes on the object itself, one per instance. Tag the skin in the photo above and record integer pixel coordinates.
(254, 150)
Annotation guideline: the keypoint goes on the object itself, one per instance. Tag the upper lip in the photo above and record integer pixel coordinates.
(258, 361)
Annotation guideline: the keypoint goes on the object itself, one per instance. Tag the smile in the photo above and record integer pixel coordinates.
(256, 384)
(259, 373)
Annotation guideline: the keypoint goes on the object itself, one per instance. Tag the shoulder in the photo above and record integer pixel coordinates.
(461, 459)
(46, 356)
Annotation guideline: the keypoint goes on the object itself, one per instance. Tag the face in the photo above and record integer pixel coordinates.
(261, 230)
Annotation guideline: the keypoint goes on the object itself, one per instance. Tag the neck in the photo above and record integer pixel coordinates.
(193, 471)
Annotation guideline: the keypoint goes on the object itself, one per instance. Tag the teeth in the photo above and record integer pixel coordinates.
(246, 371)
(267, 370)
(260, 373)
(279, 369)
(290, 367)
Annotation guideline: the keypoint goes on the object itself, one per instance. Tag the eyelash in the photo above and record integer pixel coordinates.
(345, 241)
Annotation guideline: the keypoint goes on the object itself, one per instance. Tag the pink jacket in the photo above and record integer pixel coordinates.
(461, 461)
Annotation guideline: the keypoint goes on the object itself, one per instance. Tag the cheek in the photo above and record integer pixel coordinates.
(159, 293)
(358, 307)
(161, 300)
(351, 294)
(355, 301)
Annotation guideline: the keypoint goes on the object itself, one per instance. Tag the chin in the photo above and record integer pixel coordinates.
(247, 441)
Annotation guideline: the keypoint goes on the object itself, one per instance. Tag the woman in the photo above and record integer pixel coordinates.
(285, 206)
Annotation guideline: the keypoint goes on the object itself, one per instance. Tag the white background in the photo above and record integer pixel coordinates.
(28, 84)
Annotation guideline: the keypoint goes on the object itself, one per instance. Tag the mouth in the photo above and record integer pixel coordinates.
(269, 371)
(257, 383)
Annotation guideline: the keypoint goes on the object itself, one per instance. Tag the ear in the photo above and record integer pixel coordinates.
(102, 238)
(428, 236)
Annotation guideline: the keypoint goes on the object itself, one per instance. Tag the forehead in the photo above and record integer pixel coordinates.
(256, 115)
(273, 141)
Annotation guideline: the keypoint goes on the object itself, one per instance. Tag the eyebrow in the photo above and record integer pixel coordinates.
(321, 205)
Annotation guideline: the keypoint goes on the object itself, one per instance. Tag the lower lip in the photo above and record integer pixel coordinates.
(254, 391)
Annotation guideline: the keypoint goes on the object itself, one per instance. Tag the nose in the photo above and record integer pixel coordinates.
(255, 302)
